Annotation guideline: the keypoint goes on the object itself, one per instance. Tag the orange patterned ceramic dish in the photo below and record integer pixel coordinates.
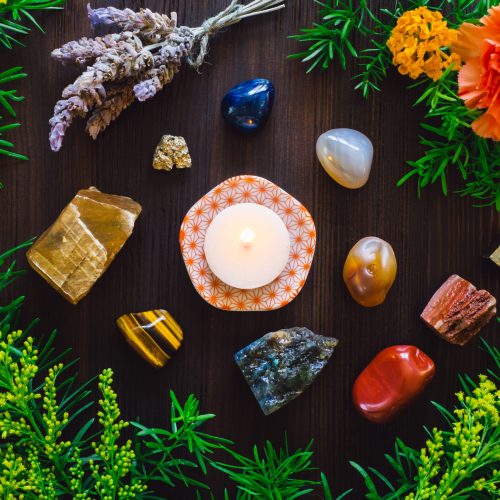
(300, 225)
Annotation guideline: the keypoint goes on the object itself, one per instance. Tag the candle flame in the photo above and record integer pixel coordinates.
(247, 236)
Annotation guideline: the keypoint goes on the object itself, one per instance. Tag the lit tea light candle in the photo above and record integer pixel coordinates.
(247, 246)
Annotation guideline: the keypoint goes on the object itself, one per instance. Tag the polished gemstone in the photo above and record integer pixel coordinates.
(346, 155)
(370, 270)
(73, 253)
(247, 106)
(172, 151)
(394, 378)
(154, 335)
(281, 365)
(458, 310)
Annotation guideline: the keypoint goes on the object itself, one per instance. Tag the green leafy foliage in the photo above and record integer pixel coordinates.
(450, 143)
(51, 448)
(16, 17)
(332, 38)
(273, 473)
(459, 461)
(7, 97)
(375, 60)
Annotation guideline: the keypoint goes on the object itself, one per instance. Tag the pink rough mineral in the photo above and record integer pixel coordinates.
(458, 311)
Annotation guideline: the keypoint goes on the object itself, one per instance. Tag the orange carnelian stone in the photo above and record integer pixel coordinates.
(395, 377)
(370, 270)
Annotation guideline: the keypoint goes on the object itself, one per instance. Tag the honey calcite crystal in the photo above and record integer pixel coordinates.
(73, 253)
(458, 310)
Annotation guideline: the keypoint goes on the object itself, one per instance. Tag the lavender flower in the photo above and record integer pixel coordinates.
(86, 50)
(126, 60)
(117, 100)
(135, 63)
(150, 25)
(159, 77)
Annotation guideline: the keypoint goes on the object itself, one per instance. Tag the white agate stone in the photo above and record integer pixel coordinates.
(346, 155)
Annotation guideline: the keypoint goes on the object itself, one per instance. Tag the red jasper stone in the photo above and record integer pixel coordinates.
(395, 377)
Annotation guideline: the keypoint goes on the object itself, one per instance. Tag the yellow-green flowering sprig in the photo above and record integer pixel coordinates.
(43, 456)
(115, 460)
(458, 462)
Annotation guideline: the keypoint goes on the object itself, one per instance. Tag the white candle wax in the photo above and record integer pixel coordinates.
(247, 246)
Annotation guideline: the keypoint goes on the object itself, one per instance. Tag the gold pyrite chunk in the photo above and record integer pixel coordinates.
(171, 151)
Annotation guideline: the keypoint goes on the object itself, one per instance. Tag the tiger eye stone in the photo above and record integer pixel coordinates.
(370, 270)
(154, 335)
(73, 253)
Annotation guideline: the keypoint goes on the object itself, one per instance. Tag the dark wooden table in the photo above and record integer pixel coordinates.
(432, 237)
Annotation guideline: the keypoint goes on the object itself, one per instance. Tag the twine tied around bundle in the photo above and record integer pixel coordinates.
(232, 14)
(209, 28)
(141, 53)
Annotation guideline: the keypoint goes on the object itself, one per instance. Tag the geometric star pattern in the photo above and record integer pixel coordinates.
(300, 225)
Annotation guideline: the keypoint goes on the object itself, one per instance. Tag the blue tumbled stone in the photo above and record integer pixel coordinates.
(247, 106)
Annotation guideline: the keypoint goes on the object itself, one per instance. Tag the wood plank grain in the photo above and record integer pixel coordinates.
(432, 237)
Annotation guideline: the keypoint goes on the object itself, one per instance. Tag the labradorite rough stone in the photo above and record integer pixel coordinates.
(282, 365)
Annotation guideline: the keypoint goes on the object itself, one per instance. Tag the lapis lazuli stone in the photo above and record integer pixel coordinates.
(247, 106)
(281, 365)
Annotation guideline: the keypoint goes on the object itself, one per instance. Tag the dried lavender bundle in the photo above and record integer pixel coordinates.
(150, 25)
(135, 63)
(117, 100)
(85, 51)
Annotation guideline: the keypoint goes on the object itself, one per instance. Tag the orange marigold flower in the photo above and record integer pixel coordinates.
(479, 78)
(418, 43)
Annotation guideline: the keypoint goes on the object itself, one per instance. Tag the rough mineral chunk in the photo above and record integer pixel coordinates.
(75, 251)
(171, 151)
(281, 365)
(154, 335)
(457, 311)
(493, 255)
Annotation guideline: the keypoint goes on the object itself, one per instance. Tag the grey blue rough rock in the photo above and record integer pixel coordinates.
(282, 365)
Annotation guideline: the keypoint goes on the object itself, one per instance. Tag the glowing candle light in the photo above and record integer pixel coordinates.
(247, 246)
(247, 236)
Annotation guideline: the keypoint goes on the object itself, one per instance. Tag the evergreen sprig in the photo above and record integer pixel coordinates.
(7, 97)
(51, 447)
(459, 461)
(450, 143)
(332, 38)
(272, 473)
(16, 17)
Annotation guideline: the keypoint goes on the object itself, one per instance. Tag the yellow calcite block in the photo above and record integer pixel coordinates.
(73, 253)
